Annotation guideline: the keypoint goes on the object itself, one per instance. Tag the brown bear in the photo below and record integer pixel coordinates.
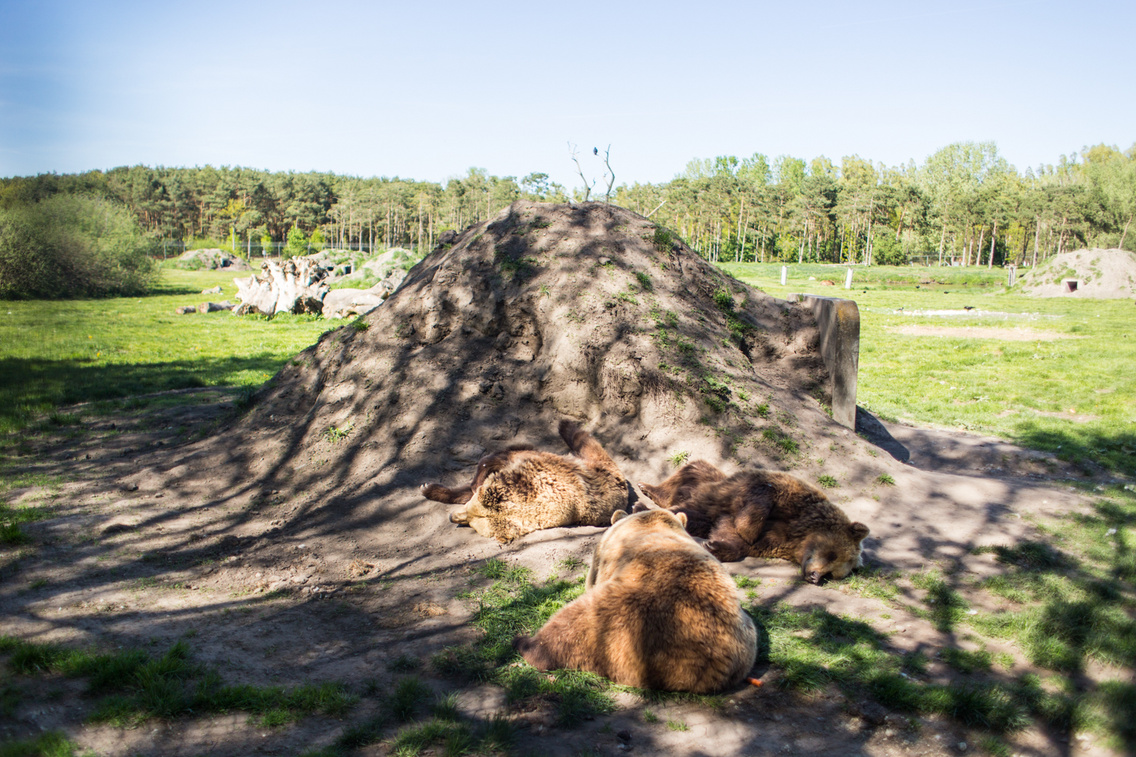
(763, 514)
(659, 612)
(520, 490)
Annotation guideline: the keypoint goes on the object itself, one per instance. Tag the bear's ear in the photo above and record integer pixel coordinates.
(681, 518)
(618, 515)
(858, 531)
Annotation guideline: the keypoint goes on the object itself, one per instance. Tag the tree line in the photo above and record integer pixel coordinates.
(964, 205)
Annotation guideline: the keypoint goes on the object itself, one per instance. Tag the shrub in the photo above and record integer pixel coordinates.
(886, 250)
(71, 246)
(297, 244)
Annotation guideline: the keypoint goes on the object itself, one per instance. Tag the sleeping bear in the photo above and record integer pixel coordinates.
(763, 514)
(520, 490)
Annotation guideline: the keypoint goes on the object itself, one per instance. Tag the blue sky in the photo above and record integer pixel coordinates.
(425, 90)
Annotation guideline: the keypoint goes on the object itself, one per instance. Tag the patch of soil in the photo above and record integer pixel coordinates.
(1099, 274)
(294, 546)
(979, 332)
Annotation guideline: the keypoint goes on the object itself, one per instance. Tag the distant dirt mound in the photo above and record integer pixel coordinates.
(589, 312)
(1097, 274)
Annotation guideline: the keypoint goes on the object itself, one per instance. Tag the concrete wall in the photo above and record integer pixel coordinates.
(839, 322)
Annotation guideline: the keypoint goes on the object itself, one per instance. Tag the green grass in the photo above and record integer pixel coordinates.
(872, 582)
(663, 239)
(50, 744)
(443, 727)
(13, 517)
(65, 352)
(1072, 396)
(514, 604)
(454, 737)
(131, 687)
(408, 696)
(1069, 603)
(678, 459)
(815, 648)
(337, 434)
(1068, 607)
(807, 277)
(780, 441)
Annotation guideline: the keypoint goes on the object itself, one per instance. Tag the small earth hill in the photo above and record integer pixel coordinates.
(1099, 274)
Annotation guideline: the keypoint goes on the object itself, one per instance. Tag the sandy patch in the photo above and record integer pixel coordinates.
(981, 332)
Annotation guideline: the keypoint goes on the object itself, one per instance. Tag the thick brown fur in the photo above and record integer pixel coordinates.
(763, 514)
(520, 490)
(659, 612)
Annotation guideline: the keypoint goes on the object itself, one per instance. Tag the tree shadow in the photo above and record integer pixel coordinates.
(1087, 445)
(32, 386)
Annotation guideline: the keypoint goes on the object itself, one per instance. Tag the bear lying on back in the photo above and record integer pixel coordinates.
(520, 490)
(763, 514)
(659, 612)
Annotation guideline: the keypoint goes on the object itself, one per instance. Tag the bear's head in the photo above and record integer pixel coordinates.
(832, 554)
(628, 533)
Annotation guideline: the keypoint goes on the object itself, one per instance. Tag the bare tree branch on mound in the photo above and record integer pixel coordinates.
(575, 159)
(609, 174)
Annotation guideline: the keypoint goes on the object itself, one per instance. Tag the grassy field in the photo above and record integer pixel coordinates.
(950, 347)
(61, 353)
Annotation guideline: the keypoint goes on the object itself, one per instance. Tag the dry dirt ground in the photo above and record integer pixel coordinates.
(291, 545)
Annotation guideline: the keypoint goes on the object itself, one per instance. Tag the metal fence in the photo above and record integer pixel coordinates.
(175, 248)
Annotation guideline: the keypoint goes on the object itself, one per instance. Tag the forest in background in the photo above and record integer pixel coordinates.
(965, 205)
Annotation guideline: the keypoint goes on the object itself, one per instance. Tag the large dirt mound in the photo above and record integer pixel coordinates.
(1099, 274)
(546, 311)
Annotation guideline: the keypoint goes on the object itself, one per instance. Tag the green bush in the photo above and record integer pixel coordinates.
(192, 264)
(209, 243)
(70, 246)
(297, 244)
(886, 250)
